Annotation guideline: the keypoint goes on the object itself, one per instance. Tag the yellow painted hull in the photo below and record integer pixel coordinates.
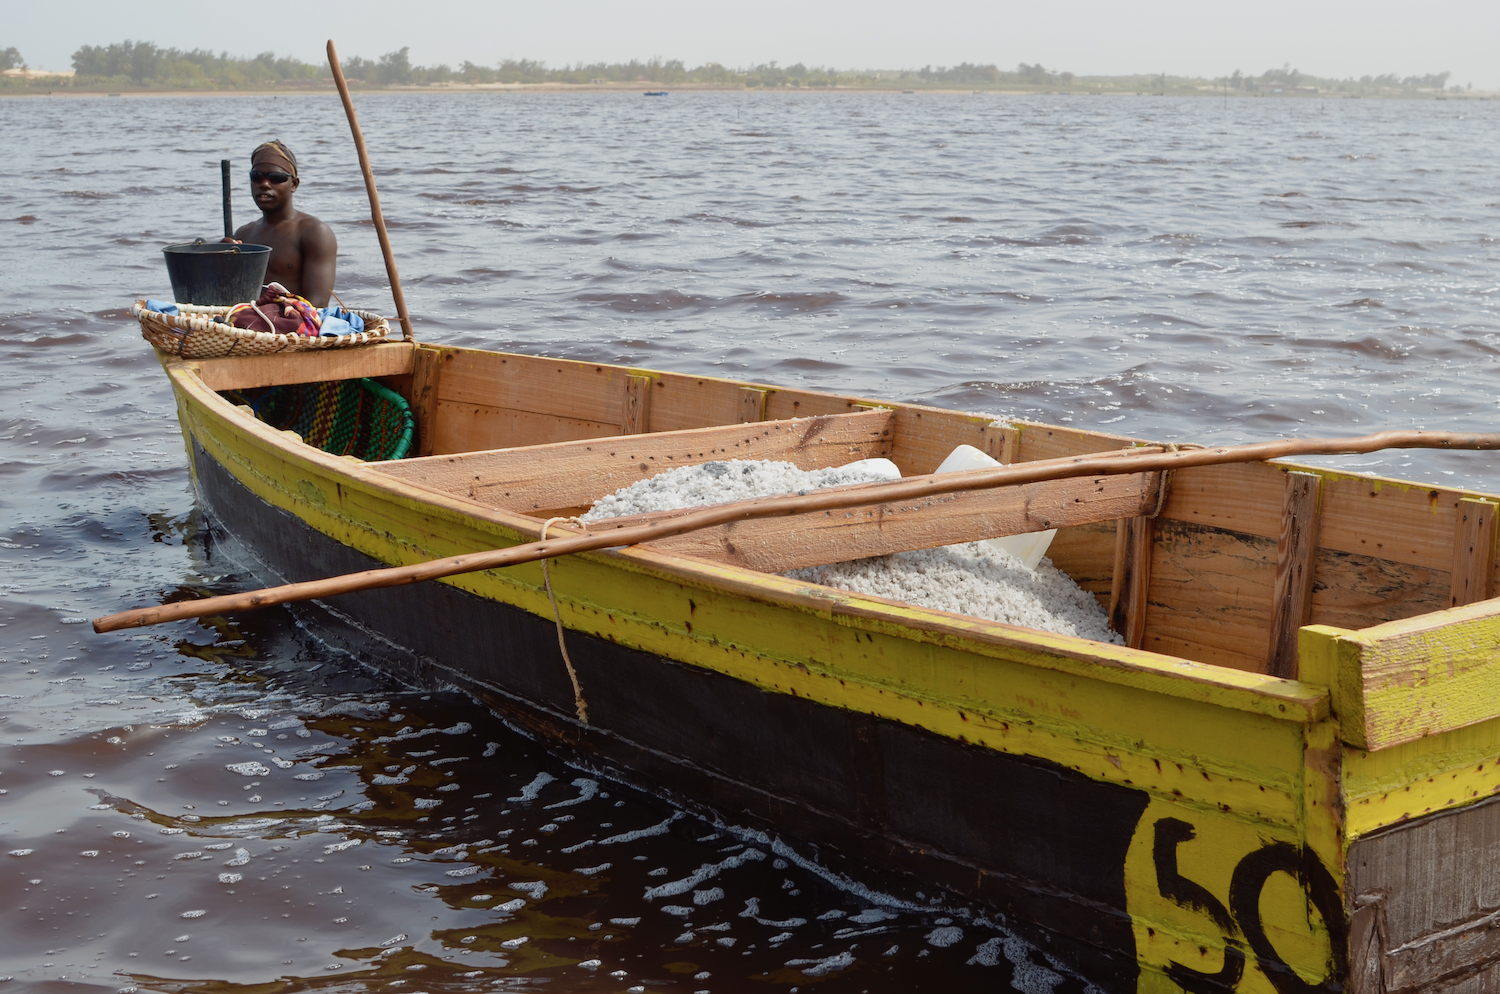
(1249, 794)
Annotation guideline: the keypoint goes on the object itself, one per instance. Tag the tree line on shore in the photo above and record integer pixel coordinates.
(143, 65)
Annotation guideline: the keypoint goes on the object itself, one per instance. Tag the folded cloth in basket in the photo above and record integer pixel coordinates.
(162, 307)
(278, 311)
(335, 320)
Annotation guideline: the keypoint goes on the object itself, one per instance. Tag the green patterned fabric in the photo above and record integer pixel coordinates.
(359, 418)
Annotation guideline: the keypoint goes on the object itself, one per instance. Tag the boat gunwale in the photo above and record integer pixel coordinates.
(1137, 668)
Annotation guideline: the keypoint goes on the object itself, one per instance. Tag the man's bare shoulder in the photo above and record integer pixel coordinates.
(312, 231)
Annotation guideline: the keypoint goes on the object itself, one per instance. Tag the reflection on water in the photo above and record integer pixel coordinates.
(233, 806)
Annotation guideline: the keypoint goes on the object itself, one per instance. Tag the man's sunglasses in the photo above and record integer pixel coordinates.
(278, 178)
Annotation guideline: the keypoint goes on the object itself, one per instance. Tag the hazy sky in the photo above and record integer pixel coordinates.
(1203, 37)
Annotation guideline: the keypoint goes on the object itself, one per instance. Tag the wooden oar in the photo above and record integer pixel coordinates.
(379, 218)
(1138, 460)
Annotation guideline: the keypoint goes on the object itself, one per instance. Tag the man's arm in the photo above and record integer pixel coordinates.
(320, 251)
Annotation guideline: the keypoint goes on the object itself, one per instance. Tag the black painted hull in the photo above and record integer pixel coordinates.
(1041, 844)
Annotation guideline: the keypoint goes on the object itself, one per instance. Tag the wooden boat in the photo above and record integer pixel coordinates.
(1284, 781)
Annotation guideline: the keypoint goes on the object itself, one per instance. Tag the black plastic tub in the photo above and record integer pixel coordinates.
(216, 273)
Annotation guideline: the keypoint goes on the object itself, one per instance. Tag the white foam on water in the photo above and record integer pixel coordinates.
(490, 748)
(393, 940)
(193, 914)
(251, 769)
(624, 921)
(463, 871)
(230, 878)
(987, 953)
(1026, 976)
(752, 911)
(587, 791)
(386, 780)
(705, 872)
(341, 846)
(589, 871)
(516, 943)
(460, 728)
(531, 790)
(823, 967)
(534, 889)
(944, 936)
(426, 803)
(509, 906)
(676, 910)
(703, 897)
(849, 933)
(660, 828)
(314, 775)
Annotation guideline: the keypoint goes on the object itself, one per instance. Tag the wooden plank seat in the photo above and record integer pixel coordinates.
(537, 478)
(878, 528)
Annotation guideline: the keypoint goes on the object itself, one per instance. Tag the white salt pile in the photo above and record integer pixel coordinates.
(974, 580)
(724, 482)
(971, 578)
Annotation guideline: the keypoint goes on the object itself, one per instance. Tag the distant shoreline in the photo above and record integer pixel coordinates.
(640, 87)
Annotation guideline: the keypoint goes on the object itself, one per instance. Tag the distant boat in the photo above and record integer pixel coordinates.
(656, 93)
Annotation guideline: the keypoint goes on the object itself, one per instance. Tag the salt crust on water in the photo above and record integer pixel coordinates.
(970, 578)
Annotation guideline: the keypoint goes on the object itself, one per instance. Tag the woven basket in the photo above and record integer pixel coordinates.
(193, 334)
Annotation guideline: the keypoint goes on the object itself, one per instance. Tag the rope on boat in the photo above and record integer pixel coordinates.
(1164, 485)
(578, 702)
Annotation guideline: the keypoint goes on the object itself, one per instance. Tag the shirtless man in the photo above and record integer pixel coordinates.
(303, 249)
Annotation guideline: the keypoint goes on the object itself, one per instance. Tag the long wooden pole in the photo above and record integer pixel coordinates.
(379, 218)
(1140, 460)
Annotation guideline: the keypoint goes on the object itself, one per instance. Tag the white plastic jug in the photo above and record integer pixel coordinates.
(1030, 547)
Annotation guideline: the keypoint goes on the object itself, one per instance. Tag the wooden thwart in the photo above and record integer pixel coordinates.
(635, 410)
(1473, 552)
(575, 474)
(280, 369)
(426, 373)
(1291, 596)
(774, 545)
(1134, 539)
(752, 405)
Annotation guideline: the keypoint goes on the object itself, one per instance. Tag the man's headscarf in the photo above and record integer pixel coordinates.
(275, 149)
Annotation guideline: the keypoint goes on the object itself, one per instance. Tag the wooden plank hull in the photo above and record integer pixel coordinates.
(1163, 824)
(884, 792)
